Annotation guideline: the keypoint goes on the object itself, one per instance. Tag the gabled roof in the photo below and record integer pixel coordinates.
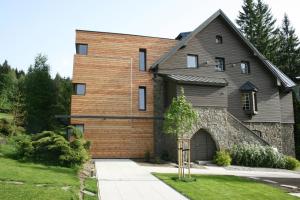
(197, 80)
(248, 86)
(286, 82)
(182, 35)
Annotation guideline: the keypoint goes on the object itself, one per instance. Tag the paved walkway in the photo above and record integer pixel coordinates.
(274, 173)
(123, 179)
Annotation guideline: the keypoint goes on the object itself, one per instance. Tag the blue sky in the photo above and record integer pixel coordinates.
(48, 26)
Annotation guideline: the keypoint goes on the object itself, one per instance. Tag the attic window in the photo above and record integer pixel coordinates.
(219, 39)
(192, 61)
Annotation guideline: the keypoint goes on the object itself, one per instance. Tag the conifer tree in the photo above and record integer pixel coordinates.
(289, 52)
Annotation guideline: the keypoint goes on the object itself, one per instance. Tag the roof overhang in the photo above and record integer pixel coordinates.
(196, 80)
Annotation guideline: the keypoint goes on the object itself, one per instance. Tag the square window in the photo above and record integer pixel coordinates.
(220, 64)
(245, 67)
(82, 49)
(79, 89)
(192, 61)
(143, 58)
(219, 39)
(142, 98)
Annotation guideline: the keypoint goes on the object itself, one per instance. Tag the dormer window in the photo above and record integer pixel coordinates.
(219, 39)
(192, 61)
(249, 98)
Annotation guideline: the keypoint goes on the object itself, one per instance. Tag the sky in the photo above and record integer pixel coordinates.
(48, 26)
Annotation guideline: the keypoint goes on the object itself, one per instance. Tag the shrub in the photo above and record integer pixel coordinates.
(4, 127)
(8, 129)
(222, 158)
(257, 156)
(291, 163)
(53, 148)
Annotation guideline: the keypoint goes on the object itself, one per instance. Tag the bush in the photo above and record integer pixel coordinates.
(54, 148)
(8, 129)
(257, 156)
(291, 163)
(222, 158)
(4, 127)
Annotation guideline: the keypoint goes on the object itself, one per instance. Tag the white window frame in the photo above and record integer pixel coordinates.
(195, 61)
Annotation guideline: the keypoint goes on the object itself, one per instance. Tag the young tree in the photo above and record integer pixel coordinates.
(257, 23)
(289, 53)
(39, 97)
(180, 119)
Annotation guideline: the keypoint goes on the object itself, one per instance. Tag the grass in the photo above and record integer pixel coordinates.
(39, 181)
(211, 187)
(90, 184)
(6, 116)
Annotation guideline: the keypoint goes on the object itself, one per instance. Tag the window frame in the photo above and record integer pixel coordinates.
(216, 68)
(248, 66)
(252, 98)
(145, 98)
(75, 89)
(219, 39)
(187, 61)
(145, 59)
(77, 48)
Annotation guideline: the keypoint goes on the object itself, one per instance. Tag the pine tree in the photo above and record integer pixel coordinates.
(257, 23)
(247, 20)
(39, 97)
(289, 52)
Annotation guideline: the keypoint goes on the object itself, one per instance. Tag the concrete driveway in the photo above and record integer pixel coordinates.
(125, 180)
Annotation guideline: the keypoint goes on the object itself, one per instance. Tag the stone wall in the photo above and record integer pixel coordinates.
(278, 135)
(224, 128)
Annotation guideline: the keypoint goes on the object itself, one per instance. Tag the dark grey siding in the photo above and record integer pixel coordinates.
(205, 95)
(234, 51)
(286, 105)
(170, 92)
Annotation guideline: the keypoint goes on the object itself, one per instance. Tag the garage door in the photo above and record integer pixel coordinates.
(203, 146)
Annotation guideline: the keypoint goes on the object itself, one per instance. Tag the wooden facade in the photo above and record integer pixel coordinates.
(110, 71)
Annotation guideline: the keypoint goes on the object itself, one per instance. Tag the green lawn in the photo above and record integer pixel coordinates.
(211, 187)
(39, 181)
(6, 116)
(90, 184)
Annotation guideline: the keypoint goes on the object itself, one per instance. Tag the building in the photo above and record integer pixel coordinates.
(123, 84)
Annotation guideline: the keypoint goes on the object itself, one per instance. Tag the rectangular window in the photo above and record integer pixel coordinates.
(82, 49)
(220, 64)
(79, 88)
(219, 39)
(246, 101)
(143, 59)
(142, 98)
(245, 67)
(192, 61)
